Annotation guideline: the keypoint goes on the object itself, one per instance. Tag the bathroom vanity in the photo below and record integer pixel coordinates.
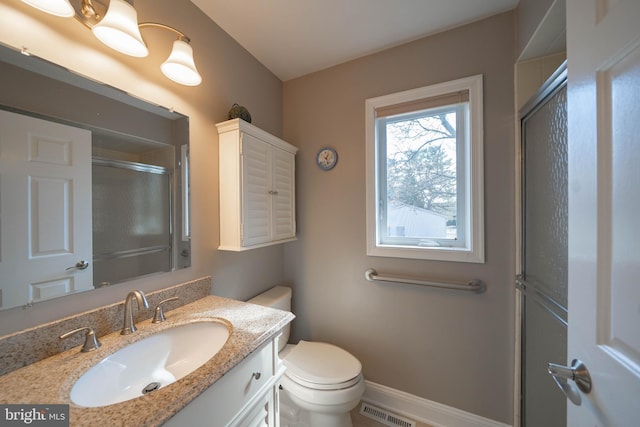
(235, 387)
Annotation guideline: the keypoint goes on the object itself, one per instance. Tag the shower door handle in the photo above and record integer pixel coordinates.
(578, 373)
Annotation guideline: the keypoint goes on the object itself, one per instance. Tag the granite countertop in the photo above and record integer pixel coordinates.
(50, 380)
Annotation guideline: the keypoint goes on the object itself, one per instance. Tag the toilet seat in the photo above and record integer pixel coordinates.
(323, 400)
(322, 366)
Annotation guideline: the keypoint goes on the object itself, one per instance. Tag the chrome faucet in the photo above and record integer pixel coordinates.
(129, 325)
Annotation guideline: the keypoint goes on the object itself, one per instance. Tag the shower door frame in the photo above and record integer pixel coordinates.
(550, 87)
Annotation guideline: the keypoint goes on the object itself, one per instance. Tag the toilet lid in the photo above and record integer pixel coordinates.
(321, 364)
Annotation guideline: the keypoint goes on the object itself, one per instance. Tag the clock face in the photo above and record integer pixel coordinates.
(327, 158)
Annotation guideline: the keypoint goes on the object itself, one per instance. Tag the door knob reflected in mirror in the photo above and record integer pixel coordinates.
(80, 265)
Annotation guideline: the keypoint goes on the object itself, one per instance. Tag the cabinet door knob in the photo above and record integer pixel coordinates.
(256, 375)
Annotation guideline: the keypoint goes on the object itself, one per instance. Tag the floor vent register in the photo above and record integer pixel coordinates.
(385, 417)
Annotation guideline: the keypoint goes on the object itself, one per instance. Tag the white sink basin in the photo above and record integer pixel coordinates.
(148, 364)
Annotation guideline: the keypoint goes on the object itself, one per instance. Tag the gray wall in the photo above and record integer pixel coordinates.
(452, 348)
(230, 74)
(529, 14)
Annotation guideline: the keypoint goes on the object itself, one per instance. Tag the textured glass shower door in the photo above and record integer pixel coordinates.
(132, 232)
(543, 279)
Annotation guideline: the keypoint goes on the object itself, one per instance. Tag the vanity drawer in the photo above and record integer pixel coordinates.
(229, 399)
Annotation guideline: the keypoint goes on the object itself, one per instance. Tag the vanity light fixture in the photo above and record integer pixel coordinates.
(119, 29)
(179, 66)
(54, 7)
(116, 25)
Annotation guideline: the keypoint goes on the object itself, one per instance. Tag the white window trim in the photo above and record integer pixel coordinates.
(474, 251)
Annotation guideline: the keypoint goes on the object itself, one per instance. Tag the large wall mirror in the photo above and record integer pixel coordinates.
(94, 184)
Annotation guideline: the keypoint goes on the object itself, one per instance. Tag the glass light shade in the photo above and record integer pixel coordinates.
(119, 29)
(53, 7)
(180, 67)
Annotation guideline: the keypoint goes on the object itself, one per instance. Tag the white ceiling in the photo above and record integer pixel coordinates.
(296, 37)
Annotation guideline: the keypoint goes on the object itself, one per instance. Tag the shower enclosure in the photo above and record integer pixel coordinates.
(544, 252)
(132, 231)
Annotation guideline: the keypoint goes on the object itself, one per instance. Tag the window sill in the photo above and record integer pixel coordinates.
(434, 254)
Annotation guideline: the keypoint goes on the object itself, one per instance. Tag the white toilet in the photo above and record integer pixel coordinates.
(322, 383)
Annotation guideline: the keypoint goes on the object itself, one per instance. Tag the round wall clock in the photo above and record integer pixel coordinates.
(327, 158)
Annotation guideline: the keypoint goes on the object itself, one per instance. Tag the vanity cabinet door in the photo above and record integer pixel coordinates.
(257, 417)
(243, 396)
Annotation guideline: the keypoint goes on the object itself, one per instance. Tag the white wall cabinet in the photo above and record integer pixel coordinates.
(257, 187)
(246, 396)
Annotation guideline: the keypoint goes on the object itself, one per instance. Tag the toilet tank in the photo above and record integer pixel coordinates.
(277, 297)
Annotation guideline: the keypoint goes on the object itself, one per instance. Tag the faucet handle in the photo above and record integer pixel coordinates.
(158, 316)
(90, 340)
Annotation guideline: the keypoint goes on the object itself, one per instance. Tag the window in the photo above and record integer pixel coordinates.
(425, 173)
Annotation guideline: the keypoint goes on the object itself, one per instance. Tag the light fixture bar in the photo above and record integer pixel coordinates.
(166, 27)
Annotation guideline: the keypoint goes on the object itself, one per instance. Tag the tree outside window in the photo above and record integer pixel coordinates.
(421, 167)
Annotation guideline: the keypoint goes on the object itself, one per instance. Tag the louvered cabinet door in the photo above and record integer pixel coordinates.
(283, 195)
(256, 187)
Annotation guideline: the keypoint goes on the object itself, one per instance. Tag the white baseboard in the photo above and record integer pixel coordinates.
(423, 410)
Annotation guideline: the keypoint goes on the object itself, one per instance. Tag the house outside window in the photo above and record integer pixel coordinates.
(425, 173)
